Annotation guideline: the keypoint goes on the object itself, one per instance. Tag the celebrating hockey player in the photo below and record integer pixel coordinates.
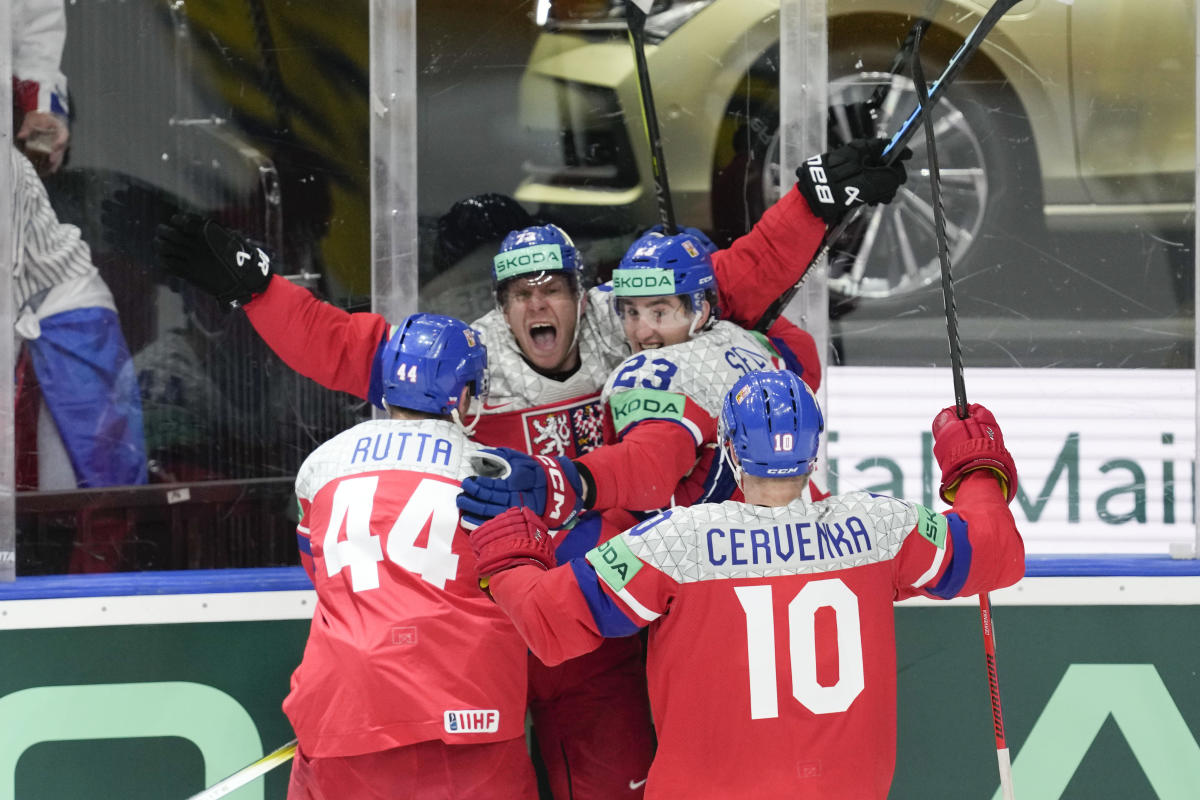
(552, 343)
(774, 594)
(663, 402)
(392, 697)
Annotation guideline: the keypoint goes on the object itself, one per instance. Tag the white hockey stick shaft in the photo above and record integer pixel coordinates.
(248, 773)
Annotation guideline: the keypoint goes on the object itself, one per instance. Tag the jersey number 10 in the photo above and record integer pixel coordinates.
(802, 614)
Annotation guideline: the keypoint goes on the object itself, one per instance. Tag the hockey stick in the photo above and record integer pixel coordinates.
(898, 141)
(636, 11)
(960, 402)
(248, 773)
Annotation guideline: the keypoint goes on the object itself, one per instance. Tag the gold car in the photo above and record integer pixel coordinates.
(1070, 114)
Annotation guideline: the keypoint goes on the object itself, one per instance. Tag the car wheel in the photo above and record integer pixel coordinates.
(888, 258)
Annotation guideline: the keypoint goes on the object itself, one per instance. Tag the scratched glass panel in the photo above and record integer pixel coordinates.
(253, 114)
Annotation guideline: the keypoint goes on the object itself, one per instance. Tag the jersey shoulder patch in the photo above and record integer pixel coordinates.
(614, 563)
(638, 405)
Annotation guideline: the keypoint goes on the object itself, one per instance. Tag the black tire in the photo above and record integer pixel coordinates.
(887, 261)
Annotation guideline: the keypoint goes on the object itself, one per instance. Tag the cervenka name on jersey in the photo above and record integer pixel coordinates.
(472, 720)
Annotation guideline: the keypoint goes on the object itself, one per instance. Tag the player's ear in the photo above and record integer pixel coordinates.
(464, 402)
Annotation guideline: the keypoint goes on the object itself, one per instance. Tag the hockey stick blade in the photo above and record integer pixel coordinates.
(959, 60)
(248, 773)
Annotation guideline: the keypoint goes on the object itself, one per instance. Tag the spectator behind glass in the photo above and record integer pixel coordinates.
(40, 109)
(79, 416)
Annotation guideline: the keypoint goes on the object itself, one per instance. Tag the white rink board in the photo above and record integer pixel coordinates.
(1122, 440)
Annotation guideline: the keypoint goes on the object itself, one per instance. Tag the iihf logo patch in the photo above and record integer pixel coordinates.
(472, 721)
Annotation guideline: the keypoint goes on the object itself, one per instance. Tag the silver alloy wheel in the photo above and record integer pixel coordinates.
(891, 250)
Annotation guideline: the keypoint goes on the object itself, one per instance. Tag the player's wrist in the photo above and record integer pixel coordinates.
(587, 485)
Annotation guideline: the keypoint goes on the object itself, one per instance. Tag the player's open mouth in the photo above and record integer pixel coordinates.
(543, 337)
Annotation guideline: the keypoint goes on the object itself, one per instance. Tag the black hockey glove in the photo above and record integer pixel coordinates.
(852, 175)
(213, 258)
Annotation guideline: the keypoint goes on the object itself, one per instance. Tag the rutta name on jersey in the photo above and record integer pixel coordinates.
(569, 430)
(472, 720)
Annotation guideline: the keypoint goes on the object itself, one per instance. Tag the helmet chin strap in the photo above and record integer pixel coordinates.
(578, 319)
(736, 469)
(466, 429)
(696, 303)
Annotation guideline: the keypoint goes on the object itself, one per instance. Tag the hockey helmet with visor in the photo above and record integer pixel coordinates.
(427, 362)
(661, 266)
(771, 421)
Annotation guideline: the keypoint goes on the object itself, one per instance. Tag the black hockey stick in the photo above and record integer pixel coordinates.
(960, 401)
(248, 773)
(635, 17)
(898, 141)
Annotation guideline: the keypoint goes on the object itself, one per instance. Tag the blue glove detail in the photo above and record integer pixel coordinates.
(550, 487)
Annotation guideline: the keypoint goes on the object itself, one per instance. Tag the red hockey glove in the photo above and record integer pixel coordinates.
(852, 175)
(963, 445)
(516, 537)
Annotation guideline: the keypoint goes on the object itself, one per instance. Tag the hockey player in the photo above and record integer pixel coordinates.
(663, 403)
(552, 343)
(393, 698)
(783, 603)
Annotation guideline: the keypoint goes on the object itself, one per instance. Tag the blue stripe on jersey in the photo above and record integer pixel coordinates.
(375, 384)
(789, 358)
(576, 542)
(960, 563)
(610, 620)
(719, 484)
(303, 543)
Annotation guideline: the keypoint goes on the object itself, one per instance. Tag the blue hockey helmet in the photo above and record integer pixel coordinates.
(657, 265)
(771, 420)
(429, 359)
(709, 245)
(536, 251)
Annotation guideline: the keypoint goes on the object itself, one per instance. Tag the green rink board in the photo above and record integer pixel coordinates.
(1109, 694)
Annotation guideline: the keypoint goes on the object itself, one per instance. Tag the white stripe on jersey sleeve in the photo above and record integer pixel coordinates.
(939, 553)
(694, 429)
(637, 607)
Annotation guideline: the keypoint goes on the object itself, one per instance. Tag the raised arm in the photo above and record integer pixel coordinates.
(320, 341)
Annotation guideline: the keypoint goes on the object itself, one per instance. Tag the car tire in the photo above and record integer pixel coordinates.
(888, 259)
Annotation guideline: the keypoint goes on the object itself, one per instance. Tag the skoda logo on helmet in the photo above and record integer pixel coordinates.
(538, 258)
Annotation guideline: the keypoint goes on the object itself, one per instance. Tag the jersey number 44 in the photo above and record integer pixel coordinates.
(379, 516)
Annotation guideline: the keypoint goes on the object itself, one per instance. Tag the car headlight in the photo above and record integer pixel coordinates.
(664, 18)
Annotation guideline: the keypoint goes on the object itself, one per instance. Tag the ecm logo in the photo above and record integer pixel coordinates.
(220, 728)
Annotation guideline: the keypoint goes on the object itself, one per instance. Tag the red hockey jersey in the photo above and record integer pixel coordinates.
(404, 648)
(772, 664)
